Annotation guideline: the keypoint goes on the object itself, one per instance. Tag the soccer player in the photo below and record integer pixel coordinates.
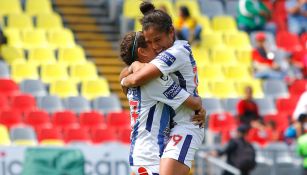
(175, 59)
(150, 108)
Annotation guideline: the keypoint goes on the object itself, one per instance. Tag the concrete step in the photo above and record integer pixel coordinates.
(106, 70)
(71, 19)
(115, 61)
(82, 10)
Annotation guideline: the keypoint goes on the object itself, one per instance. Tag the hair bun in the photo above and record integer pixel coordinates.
(146, 7)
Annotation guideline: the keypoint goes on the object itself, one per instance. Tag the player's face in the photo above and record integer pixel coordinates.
(157, 40)
(146, 54)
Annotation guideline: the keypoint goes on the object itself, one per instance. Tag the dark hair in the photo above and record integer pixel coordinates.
(154, 17)
(185, 11)
(129, 45)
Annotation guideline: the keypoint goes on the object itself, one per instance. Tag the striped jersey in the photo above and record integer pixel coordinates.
(150, 110)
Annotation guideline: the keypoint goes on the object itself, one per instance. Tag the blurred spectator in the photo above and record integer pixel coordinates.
(274, 134)
(296, 129)
(297, 16)
(263, 60)
(247, 108)
(186, 26)
(253, 15)
(302, 150)
(301, 106)
(293, 71)
(239, 152)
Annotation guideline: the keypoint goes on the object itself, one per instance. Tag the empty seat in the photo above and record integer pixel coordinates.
(71, 56)
(53, 72)
(49, 134)
(95, 88)
(223, 89)
(23, 133)
(201, 56)
(13, 36)
(91, 119)
(237, 73)
(286, 105)
(131, 9)
(212, 105)
(77, 104)
(212, 8)
(103, 134)
(4, 70)
(83, 72)
(275, 89)
(23, 103)
(124, 135)
(76, 134)
(244, 56)
(11, 54)
(224, 23)
(64, 119)
(212, 40)
(221, 121)
(266, 106)
(237, 40)
(211, 72)
(41, 56)
(49, 21)
(34, 7)
(37, 119)
(19, 21)
(50, 103)
(223, 56)
(34, 38)
(230, 105)
(192, 5)
(4, 102)
(8, 87)
(231, 7)
(60, 38)
(24, 70)
(4, 136)
(288, 41)
(107, 104)
(52, 142)
(33, 87)
(9, 6)
(10, 117)
(118, 119)
(298, 87)
(64, 88)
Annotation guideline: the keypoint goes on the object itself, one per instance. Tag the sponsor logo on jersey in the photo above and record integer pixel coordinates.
(167, 58)
(164, 77)
(172, 91)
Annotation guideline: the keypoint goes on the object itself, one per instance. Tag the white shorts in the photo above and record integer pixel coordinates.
(183, 144)
(145, 170)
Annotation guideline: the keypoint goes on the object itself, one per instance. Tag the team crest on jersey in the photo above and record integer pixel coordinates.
(167, 58)
(164, 77)
(172, 91)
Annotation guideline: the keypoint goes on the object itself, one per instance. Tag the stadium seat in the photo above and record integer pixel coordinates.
(77, 104)
(63, 88)
(64, 119)
(212, 40)
(53, 72)
(33, 87)
(49, 134)
(4, 136)
(61, 38)
(107, 104)
(23, 103)
(4, 102)
(19, 21)
(34, 7)
(8, 87)
(211, 72)
(204, 21)
(203, 88)
(192, 5)
(224, 24)
(83, 72)
(23, 135)
(51, 142)
(286, 105)
(131, 9)
(237, 40)
(230, 105)
(103, 135)
(41, 56)
(76, 134)
(11, 54)
(10, 117)
(23, 70)
(37, 119)
(298, 87)
(212, 8)
(231, 7)
(201, 56)
(255, 84)
(71, 56)
(118, 119)
(124, 135)
(266, 106)
(288, 41)
(244, 56)
(223, 89)
(49, 21)
(168, 4)
(50, 103)
(95, 88)
(223, 56)
(212, 105)
(4, 70)
(91, 119)
(34, 38)
(237, 73)
(13, 36)
(275, 89)
(221, 121)
(303, 39)
(9, 6)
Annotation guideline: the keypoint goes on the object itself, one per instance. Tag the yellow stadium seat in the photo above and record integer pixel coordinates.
(192, 5)
(9, 6)
(25, 143)
(211, 72)
(166, 4)
(63, 88)
(95, 88)
(244, 56)
(201, 56)
(212, 40)
(225, 89)
(19, 21)
(255, 84)
(4, 136)
(223, 56)
(238, 73)
(11, 54)
(49, 21)
(34, 38)
(224, 23)
(131, 9)
(204, 21)
(23, 70)
(34, 7)
(52, 142)
(137, 25)
(41, 56)
(60, 38)
(53, 72)
(71, 56)
(237, 40)
(203, 89)
(13, 37)
(83, 72)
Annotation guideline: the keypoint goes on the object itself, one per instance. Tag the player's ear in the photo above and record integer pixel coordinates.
(141, 52)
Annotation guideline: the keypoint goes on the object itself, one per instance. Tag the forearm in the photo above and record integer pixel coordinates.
(193, 103)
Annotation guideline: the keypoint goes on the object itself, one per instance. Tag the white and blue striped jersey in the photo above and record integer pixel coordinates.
(150, 111)
(178, 62)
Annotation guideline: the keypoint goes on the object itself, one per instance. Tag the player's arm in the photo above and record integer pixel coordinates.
(193, 103)
(124, 73)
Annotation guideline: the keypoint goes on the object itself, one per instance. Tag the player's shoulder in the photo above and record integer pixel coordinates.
(179, 47)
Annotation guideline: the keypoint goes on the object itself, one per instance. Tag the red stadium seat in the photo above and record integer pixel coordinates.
(281, 120)
(118, 119)
(298, 87)
(10, 117)
(103, 134)
(286, 105)
(37, 119)
(4, 102)
(49, 133)
(303, 39)
(124, 135)
(76, 134)
(8, 87)
(288, 41)
(91, 119)
(221, 121)
(23, 102)
(261, 137)
(64, 119)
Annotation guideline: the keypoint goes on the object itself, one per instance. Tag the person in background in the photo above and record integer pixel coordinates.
(253, 15)
(247, 108)
(297, 16)
(301, 106)
(186, 26)
(302, 150)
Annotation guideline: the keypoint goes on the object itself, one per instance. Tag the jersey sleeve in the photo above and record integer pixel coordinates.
(165, 90)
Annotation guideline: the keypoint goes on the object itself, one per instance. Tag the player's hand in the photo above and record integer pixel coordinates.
(136, 66)
(200, 117)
